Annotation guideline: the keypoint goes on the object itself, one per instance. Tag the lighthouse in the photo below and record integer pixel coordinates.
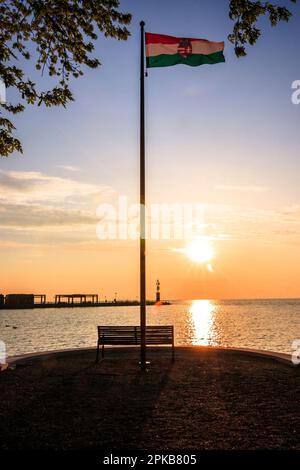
(157, 291)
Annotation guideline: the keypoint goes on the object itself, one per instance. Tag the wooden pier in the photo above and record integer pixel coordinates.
(73, 299)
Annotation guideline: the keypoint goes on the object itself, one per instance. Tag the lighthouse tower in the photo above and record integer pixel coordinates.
(157, 291)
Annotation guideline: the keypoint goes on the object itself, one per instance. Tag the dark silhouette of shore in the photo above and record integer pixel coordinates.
(118, 303)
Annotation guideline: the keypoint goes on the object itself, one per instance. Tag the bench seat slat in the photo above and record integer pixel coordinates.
(131, 336)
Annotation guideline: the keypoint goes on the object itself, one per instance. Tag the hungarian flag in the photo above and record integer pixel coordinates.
(163, 51)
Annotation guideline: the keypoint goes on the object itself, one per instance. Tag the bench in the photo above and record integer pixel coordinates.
(131, 336)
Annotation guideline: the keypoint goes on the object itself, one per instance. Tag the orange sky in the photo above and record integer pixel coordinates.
(257, 259)
(224, 136)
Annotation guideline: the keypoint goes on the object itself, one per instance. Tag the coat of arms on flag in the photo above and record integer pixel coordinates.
(185, 47)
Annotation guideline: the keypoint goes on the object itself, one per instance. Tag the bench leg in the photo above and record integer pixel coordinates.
(102, 351)
(97, 355)
(173, 347)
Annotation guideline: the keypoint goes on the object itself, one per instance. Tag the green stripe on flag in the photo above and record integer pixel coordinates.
(166, 60)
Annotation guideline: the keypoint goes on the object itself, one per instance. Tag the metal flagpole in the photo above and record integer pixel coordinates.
(142, 206)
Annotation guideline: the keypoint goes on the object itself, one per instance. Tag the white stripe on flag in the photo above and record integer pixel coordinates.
(198, 47)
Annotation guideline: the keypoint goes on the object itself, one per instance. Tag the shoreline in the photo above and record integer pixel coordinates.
(123, 303)
(136, 303)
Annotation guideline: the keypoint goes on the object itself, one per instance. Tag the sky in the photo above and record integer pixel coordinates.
(224, 136)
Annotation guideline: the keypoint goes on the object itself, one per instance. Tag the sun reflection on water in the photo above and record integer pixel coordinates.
(202, 321)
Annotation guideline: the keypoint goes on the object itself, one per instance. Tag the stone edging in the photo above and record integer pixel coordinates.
(278, 357)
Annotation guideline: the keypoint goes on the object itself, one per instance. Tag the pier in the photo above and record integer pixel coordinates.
(29, 301)
(71, 299)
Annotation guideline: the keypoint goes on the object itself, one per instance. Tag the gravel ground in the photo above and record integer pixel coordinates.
(207, 399)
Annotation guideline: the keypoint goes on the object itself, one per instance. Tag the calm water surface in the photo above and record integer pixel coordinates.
(261, 324)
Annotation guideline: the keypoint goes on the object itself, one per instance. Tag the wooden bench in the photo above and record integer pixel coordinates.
(131, 336)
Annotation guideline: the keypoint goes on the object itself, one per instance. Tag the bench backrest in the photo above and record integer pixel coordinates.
(131, 335)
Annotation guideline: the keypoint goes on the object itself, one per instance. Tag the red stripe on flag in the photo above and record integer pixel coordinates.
(152, 38)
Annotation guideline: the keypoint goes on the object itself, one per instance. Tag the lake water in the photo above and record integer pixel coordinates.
(260, 324)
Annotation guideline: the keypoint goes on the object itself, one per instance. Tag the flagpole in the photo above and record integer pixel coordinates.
(142, 205)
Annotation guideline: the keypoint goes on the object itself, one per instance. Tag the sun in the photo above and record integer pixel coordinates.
(199, 251)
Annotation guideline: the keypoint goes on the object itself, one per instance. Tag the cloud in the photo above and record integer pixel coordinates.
(192, 91)
(39, 208)
(25, 216)
(242, 188)
(292, 211)
(229, 223)
(73, 169)
(35, 187)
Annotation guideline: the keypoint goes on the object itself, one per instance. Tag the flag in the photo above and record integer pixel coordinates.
(164, 51)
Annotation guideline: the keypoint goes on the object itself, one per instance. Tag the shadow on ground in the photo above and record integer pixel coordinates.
(206, 400)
